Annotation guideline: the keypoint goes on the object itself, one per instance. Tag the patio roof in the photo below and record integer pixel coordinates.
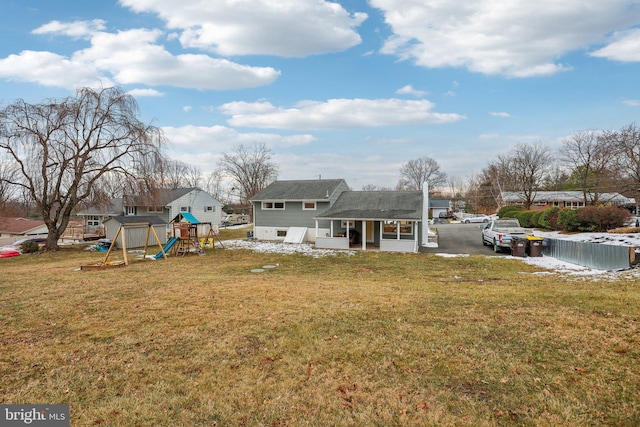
(376, 205)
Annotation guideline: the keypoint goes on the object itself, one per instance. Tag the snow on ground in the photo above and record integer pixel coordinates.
(623, 239)
(283, 248)
(552, 265)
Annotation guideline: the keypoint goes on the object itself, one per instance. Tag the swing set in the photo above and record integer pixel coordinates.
(141, 254)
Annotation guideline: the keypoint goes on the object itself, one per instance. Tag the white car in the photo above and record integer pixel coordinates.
(475, 218)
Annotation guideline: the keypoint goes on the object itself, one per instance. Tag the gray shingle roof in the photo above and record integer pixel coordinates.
(377, 205)
(151, 219)
(162, 197)
(298, 190)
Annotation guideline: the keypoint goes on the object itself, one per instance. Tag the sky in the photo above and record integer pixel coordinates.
(347, 89)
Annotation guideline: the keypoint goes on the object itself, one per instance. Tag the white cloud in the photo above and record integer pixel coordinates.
(187, 108)
(631, 102)
(135, 57)
(499, 114)
(76, 29)
(410, 90)
(220, 138)
(624, 46)
(129, 57)
(336, 114)
(516, 38)
(138, 93)
(49, 69)
(203, 146)
(289, 28)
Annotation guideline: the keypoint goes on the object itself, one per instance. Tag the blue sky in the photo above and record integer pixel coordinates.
(347, 89)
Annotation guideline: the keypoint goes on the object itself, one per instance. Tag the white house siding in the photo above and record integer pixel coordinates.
(388, 245)
(198, 200)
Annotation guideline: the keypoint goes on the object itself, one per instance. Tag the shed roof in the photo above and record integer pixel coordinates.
(129, 220)
(318, 189)
(377, 205)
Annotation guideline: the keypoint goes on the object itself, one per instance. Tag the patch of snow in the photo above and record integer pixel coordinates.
(554, 265)
(452, 255)
(283, 248)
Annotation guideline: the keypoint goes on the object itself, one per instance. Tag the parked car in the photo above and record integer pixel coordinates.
(17, 245)
(475, 218)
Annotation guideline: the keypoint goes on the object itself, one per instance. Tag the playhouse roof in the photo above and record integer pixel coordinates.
(185, 217)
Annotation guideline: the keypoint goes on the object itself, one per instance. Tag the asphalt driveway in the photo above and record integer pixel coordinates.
(459, 239)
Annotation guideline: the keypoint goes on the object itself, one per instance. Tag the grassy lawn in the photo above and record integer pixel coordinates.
(365, 340)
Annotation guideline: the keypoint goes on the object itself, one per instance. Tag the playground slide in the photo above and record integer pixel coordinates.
(167, 247)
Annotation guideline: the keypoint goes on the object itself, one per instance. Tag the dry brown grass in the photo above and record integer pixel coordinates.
(372, 339)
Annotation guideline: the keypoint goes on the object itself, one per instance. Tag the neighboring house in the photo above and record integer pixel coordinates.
(18, 227)
(437, 207)
(286, 204)
(166, 204)
(93, 219)
(334, 217)
(565, 199)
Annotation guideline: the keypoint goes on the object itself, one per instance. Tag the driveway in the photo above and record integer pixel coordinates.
(459, 239)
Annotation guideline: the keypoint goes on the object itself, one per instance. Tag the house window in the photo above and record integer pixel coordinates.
(272, 205)
(348, 224)
(185, 208)
(308, 206)
(281, 233)
(130, 210)
(155, 209)
(93, 221)
(406, 227)
(209, 208)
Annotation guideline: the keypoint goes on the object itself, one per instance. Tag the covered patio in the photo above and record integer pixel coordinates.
(388, 221)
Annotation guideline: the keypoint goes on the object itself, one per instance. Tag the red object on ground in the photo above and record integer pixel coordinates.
(8, 254)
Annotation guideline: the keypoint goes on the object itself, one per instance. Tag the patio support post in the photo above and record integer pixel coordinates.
(316, 229)
(364, 235)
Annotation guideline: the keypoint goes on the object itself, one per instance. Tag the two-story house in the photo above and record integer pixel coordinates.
(165, 204)
(327, 213)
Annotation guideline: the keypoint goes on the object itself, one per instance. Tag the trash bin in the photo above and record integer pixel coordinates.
(519, 246)
(535, 245)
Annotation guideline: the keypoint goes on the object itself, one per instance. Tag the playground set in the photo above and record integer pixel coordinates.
(184, 241)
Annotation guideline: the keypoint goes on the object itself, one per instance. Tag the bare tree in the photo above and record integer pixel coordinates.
(174, 174)
(250, 168)
(372, 187)
(626, 143)
(415, 173)
(64, 149)
(215, 185)
(590, 156)
(6, 189)
(525, 168)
